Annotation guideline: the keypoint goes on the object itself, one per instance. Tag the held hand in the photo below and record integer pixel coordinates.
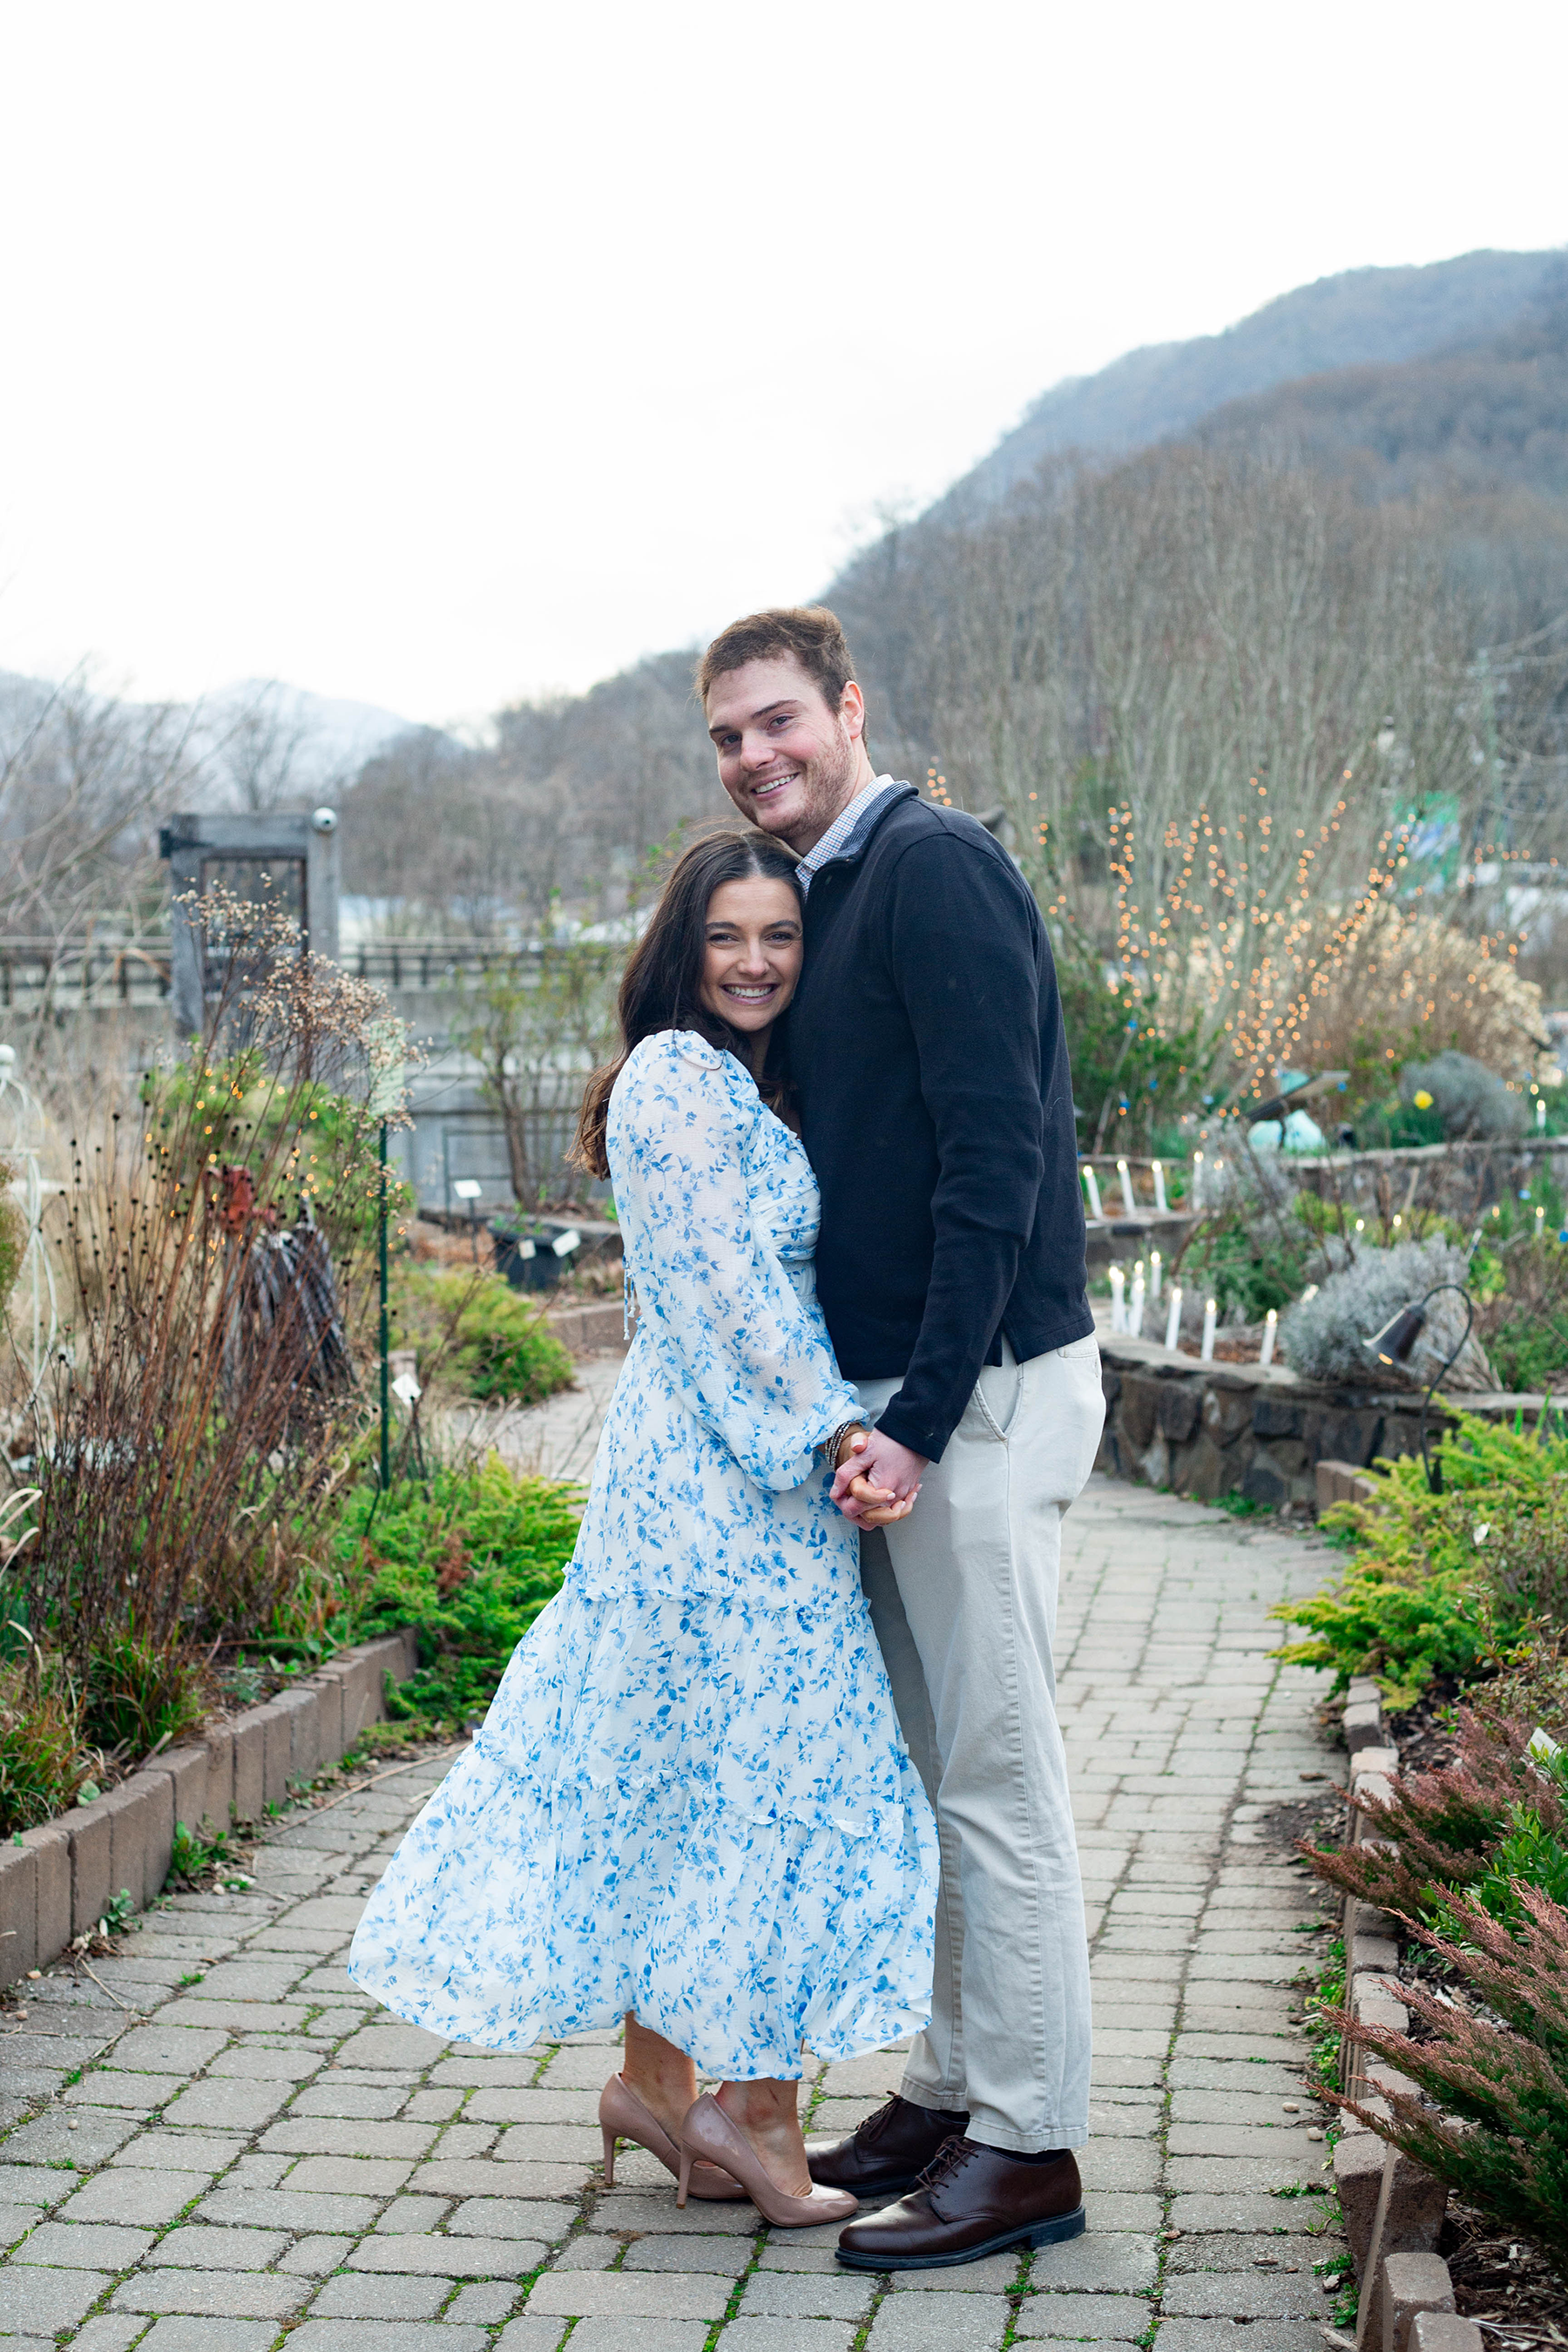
(877, 1479)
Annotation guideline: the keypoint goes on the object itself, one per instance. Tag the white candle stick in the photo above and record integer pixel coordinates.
(1210, 1316)
(1197, 1180)
(1154, 1273)
(1158, 1172)
(1270, 1325)
(1091, 1187)
(1128, 1201)
(1541, 1114)
(1117, 1300)
(1135, 1319)
(1174, 1316)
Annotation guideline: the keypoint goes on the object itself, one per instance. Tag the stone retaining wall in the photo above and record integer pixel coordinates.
(1207, 1430)
(56, 1881)
(1260, 1430)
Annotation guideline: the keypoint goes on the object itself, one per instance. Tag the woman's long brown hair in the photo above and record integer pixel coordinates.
(662, 988)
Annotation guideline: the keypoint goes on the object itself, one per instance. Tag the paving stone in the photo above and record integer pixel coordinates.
(744, 2335)
(1251, 2294)
(197, 2245)
(170, 2151)
(386, 2335)
(991, 2275)
(411, 2216)
(511, 2217)
(453, 2257)
(1100, 2261)
(107, 2333)
(348, 2176)
(174, 2334)
(1104, 2318)
(610, 2336)
(791, 2294)
(246, 2104)
(621, 2294)
(483, 2303)
(151, 2199)
(726, 2256)
(364, 2297)
(287, 2209)
(228, 2294)
(43, 2301)
(939, 2323)
(1219, 2335)
(624, 2210)
(89, 2245)
(324, 2136)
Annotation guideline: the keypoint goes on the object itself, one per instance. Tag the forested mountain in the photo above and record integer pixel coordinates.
(1363, 318)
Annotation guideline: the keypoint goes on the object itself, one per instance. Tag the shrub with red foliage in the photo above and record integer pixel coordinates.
(1498, 2133)
(1436, 1832)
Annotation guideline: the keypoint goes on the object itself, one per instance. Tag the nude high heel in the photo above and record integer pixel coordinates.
(621, 2116)
(707, 2131)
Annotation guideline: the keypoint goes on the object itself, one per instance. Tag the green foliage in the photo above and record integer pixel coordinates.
(300, 1141)
(1132, 1074)
(41, 1763)
(469, 1561)
(1248, 1261)
(13, 1234)
(1439, 1582)
(199, 1851)
(139, 1697)
(493, 1338)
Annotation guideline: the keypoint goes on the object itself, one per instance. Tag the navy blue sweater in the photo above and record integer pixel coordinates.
(936, 1103)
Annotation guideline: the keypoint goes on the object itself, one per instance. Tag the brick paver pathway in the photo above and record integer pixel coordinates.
(259, 2158)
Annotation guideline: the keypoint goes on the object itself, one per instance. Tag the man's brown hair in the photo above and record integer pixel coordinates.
(808, 634)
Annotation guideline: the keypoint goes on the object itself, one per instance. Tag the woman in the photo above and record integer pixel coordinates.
(689, 1804)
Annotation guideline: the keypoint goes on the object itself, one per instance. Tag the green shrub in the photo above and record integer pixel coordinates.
(139, 1697)
(41, 1761)
(1438, 1582)
(469, 1561)
(489, 1337)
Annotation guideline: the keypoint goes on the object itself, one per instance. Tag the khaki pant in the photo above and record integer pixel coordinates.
(963, 1597)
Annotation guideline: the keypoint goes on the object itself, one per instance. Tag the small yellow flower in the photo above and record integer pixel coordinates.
(1423, 1100)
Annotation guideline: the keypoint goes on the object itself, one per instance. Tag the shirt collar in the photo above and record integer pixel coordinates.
(842, 830)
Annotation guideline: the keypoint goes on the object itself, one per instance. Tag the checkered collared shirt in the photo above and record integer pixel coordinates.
(841, 832)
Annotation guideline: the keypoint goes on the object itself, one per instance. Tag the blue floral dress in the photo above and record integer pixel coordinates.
(690, 1797)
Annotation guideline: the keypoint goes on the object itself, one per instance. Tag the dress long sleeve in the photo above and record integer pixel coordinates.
(747, 1355)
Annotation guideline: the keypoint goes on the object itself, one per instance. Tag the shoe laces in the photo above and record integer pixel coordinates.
(953, 2153)
(876, 2125)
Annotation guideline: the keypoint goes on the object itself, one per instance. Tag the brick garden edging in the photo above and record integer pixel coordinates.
(58, 1881)
(1393, 2209)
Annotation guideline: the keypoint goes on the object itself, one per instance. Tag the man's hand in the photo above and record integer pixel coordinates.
(878, 1480)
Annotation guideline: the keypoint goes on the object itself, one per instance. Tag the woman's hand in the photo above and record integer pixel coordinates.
(868, 1505)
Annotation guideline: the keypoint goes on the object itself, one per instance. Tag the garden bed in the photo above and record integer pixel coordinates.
(58, 1881)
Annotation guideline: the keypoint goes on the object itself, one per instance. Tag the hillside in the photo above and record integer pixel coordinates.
(1363, 318)
(1483, 419)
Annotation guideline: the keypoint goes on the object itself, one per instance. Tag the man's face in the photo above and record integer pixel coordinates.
(788, 762)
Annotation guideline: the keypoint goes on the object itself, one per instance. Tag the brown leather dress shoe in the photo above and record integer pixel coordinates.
(888, 2152)
(973, 2201)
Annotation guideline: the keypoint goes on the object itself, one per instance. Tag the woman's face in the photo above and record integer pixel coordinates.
(753, 952)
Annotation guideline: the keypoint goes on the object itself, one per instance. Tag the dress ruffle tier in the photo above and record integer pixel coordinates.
(602, 1849)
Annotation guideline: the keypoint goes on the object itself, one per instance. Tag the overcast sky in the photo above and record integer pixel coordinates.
(434, 355)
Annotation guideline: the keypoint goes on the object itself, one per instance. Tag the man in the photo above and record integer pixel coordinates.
(927, 1044)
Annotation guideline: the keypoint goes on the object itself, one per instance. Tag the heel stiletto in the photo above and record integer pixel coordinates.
(621, 2116)
(707, 2131)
